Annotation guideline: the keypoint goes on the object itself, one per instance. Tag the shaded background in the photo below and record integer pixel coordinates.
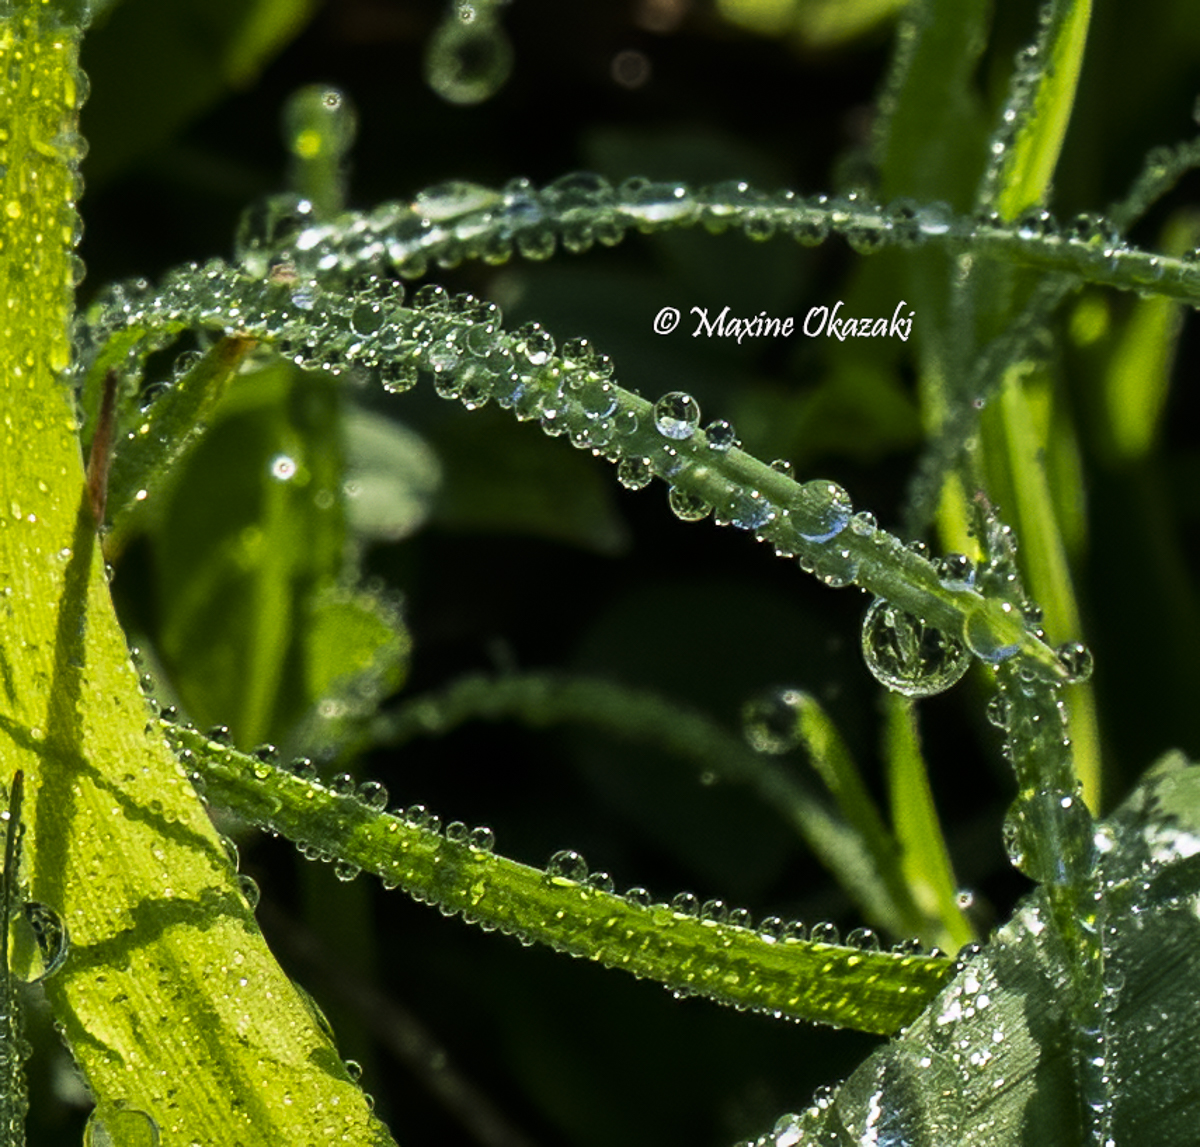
(565, 570)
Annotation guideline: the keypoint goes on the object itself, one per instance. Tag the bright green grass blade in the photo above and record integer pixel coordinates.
(925, 859)
(1043, 96)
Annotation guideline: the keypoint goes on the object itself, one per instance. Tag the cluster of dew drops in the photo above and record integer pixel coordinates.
(565, 868)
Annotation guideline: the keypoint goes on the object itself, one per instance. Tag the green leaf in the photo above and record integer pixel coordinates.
(1027, 165)
(924, 856)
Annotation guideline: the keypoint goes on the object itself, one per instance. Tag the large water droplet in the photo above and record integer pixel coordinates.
(909, 656)
(567, 864)
(830, 515)
(676, 415)
(38, 942)
(114, 1126)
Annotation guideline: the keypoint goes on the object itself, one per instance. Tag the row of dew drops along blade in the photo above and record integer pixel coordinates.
(564, 868)
(459, 344)
(456, 221)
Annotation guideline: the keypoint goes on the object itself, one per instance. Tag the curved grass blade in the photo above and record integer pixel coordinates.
(688, 951)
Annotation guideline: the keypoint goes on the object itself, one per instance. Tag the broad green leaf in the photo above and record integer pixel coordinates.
(991, 1061)
(167, 966)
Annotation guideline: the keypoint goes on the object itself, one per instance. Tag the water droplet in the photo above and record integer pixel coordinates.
(686, 904)
(481, 839)
(398, 376)
(634, 473)
(319, 123)
(999, 711)
(250, 891)
(343, 784)
(956, 571)
(979, 632)
(639, 896)
(864, 939)
(825, 933)
(346, 870)
(908, 656)
(567, 864)
(535, 343)
(686, 506)
(1013, 838)
(113, 1126)
(721, 436)
(770, 721)
(38, 942)
(676, 415)
(828, 513)
(469, 57)
(770, 928)
(1076, 660)
(374, 795)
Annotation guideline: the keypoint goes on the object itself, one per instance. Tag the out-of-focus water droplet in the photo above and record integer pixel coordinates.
(909, 656)
(468, 58)
(676, 415)
(999, 711)
(319, 122)
(771, 720)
